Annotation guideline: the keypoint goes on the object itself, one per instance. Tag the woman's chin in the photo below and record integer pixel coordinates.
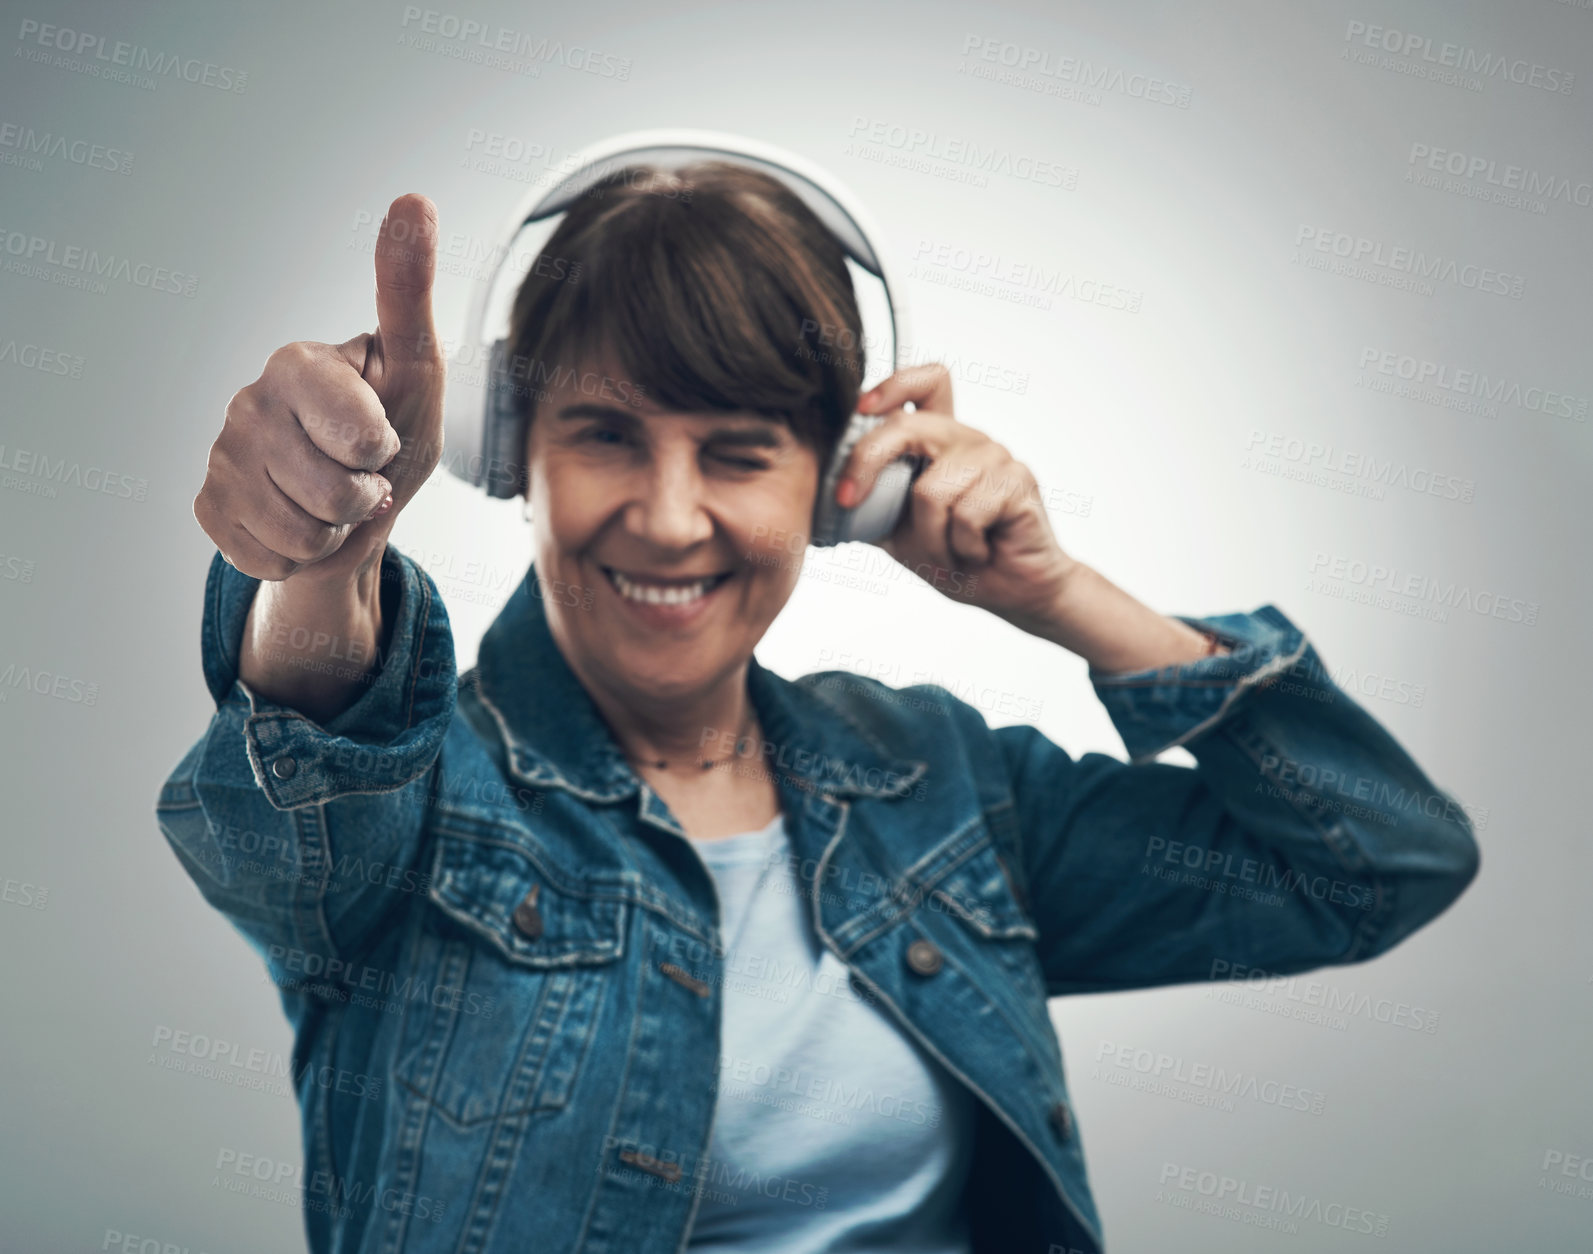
(666, 674)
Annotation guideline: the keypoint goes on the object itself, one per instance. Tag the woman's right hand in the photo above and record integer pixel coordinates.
(300, 477)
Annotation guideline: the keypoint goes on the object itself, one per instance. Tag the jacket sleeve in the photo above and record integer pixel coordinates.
(303, 835)
(1304, 836)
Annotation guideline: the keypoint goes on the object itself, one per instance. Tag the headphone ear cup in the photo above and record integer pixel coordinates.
(829, 517)
(503, 435)
(876, 515)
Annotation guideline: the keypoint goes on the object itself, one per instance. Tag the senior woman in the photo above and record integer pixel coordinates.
(620, 941)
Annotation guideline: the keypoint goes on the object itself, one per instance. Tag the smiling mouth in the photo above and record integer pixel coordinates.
(659, 592)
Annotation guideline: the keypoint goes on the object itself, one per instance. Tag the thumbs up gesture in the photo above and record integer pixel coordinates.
(318, 455)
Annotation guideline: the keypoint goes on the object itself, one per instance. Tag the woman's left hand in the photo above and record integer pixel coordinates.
(975, 527)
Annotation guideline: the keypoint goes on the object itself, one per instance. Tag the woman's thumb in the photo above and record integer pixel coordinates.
(406, 261)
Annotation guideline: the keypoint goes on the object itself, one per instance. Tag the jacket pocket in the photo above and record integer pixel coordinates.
(510, 966)
(977, 893)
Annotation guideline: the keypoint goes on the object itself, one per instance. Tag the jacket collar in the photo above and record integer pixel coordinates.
(555, 737)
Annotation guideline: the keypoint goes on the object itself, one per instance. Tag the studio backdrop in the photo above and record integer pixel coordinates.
(1282, 304)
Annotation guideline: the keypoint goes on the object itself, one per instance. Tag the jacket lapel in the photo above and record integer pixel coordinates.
(833, 776)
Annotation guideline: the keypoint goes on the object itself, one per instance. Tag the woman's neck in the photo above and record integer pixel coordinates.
(679, 729)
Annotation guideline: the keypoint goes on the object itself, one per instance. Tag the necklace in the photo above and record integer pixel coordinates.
(743, 741)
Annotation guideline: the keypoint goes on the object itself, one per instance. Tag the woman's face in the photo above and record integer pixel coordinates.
(688, 528)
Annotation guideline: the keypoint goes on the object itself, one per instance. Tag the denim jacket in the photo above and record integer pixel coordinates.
(501, 957)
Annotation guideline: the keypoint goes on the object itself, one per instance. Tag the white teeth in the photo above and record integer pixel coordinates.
(654, 594)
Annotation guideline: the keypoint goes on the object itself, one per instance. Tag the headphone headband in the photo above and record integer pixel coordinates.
(480, 414)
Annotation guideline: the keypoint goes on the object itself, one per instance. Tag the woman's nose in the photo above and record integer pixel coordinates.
(671, 514)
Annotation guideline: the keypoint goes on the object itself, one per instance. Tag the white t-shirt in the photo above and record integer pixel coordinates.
(834, 1130)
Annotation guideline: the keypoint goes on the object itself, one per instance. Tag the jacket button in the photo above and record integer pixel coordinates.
(285, 767)
(923, 957)
(527, 918)
(1062, 1120)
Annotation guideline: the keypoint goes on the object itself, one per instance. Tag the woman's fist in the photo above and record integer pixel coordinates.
(975, 528)
(318, 455)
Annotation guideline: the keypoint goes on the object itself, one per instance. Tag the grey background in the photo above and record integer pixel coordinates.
(1140, 423)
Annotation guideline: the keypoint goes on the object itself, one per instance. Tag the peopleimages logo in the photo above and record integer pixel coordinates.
(17, 568)
(803, 1084)
(837, 344)
(1574, 1172)
(911, 142)
(259, 1069)
(25, 254)
(116, 61)
(474, 41)
(46, 683)
(1501, 182)
(513, 157)
(46, 475)
(1420, 53)
(369, 984)
(26, 145)
(1356, 465)
(673, 1167)
(44, 360)
(1329, 571)
(461, 253)
(278, 1180)
(1219, 869)
(134, 1243)
(1495, 389)
(1357, 250)
(1237, 1197)
(1332, 999)
(1013, 279)
(1022, 61)
(1159, 1066)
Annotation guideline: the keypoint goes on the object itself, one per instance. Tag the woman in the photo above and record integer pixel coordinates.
(621, 941)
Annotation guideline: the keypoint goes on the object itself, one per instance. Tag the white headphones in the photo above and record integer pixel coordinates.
(484, 436)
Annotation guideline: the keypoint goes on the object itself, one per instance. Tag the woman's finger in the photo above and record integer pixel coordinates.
(927, 386)
(981, 503)
(921, 432)
(921, 536)
(318, 484)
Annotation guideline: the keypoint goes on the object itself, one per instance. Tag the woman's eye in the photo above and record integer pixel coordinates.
(741, 463)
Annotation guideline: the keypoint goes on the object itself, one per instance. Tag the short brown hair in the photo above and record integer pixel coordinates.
(713, 287)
